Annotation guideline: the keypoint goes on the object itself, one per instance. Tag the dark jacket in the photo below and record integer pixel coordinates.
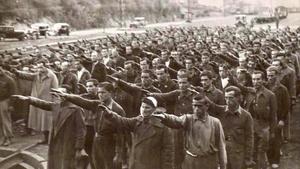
(283, 100)
(99, 72)
(152, 143)
(69, 79)
(238, 129)
(67, 134)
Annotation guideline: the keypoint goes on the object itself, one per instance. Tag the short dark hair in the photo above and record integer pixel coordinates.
(237, 91)
(161, 66)
(273, 68)
(200, 97)
(107, 86)
(94, 81)
(184, 73)
(206, 73)
(259, 72)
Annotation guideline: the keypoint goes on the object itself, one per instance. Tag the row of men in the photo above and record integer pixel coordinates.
(181, 69)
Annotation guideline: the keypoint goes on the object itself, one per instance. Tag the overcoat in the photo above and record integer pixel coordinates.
(38, 119)
(67, 134)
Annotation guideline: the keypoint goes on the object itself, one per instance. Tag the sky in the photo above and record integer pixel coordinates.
(287, 3)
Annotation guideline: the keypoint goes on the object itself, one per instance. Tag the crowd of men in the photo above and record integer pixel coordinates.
(172, 98)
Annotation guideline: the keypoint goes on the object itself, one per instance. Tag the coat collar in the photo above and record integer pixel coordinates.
(62, 116)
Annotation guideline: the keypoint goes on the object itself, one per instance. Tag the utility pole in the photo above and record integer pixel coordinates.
(122, 9)
(189, 11)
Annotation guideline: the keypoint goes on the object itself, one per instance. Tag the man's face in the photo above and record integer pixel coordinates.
(144, 65)
(243, 62)
(206, 82)
(161, 75)
(146, 79)
(41, 68)
(103, 94)
(231, 101)
(104, 53)
(94, 56)
(256, 47)
(175, 55)
(128, 68)
(271, 76)
(146, 110)
(199, 108)
(188, 64)
(128, 50)
(205, 59)
(91, 88)
(135, 44)
(164, 56)
(257, 80)
(183, 84)
(223, 72)
(64, 66)
(155, 62)
(251, 65)
(277, 64)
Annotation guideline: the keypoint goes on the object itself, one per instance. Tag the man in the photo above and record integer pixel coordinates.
(283, 104)
(67, 77)
(181, 99)
(164, 83)
(82, 73)
(288, 79)
(214, 94)
(108, 141)
(68, 132)
(152, 144)
(98, 70)
(204, 136)
(238, 128)
(7, 88)
(92, 91)
(43, 81)
(136, 91)
(264, 113)
(192, 71)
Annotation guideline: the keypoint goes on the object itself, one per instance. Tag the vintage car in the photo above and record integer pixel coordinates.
(9, 32)
(61, 28)
(42, 27)
(137, 22)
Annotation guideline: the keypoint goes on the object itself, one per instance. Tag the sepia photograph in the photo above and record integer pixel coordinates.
(149, 84)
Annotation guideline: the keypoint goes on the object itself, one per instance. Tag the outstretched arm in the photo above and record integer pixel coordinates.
(43, 104)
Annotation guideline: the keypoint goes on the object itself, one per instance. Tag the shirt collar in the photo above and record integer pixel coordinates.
(238, 111)
(196, 118)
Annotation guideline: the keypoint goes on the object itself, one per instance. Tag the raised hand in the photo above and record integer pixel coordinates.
(159, 114)
(20, 97)
(111, 78)
(58, 92)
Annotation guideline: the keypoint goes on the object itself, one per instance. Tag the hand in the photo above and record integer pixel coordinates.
(145, 92)
(281, 123)
(20, 97)
(111, 78)
(159, 115)
(58, 92)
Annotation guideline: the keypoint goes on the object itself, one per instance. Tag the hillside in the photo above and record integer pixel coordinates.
(82, 14)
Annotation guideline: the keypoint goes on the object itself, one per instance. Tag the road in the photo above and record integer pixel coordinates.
(291, 151)
(292, 20)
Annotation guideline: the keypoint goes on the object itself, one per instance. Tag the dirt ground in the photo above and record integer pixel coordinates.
(291, 151)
